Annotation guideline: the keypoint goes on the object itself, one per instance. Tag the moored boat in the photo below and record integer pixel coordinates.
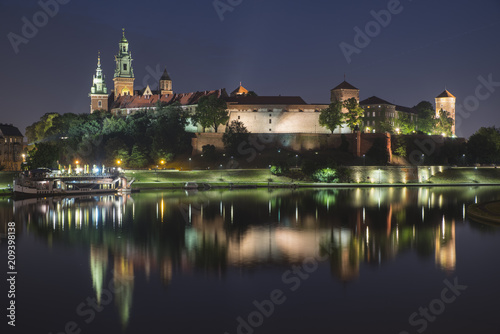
(47, 182)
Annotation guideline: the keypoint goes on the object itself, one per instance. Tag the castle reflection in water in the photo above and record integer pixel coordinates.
(174, 233)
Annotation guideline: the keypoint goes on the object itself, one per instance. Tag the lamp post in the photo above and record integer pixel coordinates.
(156, 170)
(296, 161)
(220, 166)
(423, 158)
(190, 163)
(364, 156)
(463, 156)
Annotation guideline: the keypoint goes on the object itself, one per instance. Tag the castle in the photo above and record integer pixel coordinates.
(260, 114)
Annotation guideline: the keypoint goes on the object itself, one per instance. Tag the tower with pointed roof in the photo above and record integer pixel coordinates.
(240, 91)
(166, 84)
(344, 92)
(447, 102)
(98, 92)
(124, 73)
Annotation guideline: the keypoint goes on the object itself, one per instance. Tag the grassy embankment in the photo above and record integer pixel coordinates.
(6, 179)
(175, 179)
(467, 175)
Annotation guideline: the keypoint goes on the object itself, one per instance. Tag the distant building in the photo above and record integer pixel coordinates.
(378, 111)
(447, 102)
(260, 114)
(11, 147)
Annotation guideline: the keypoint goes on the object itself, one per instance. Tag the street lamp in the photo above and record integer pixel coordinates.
(190, 163)
(296, 161)
(220, 166)
(423, 159)
(364, 156)
(463, 156)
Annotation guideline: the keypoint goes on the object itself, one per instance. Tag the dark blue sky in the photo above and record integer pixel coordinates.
(285, 47)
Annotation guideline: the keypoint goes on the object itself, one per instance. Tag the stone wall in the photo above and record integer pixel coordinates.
(359, 143)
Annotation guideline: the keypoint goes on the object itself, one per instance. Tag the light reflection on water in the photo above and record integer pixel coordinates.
(171, 234)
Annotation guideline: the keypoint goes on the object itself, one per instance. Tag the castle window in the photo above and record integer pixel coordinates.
(270, 110)
(270, 121)
(239, 117)
(255, 110)
(124, 67)
(270, 130)
(100, 104)
(270, 115)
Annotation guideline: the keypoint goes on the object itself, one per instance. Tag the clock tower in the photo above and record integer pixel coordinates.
(124, 73)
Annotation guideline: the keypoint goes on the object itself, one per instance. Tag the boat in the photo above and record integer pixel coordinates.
(43, 182)
(191, 185)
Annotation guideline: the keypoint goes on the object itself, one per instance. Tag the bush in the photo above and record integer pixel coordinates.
(325, 175)
(208, 151)
(280, 169)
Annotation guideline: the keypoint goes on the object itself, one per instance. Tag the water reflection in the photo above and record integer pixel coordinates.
(169, 234)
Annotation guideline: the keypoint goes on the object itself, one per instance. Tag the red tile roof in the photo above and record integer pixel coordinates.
(142, 102)
(345, 85)
(445, 94)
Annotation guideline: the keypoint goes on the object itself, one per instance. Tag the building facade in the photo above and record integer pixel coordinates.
(11, 147)
(447, 102)
(260, 114)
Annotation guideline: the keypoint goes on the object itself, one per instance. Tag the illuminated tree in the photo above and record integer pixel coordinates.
(331, 117)
(355, 114)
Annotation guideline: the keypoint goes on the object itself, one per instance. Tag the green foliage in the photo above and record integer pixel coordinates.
(355, 114)
(331, 117)
(404, 123)
(236, 133)
(43, 155)
(137, 157)
(443, 124)
(325, 175)
(101, 138)
(484, 146)
(279, 169)
(211, 112)
(399, 146)
(426, 117)
(208, 152)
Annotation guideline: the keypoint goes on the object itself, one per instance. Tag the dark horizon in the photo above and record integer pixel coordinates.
(281, 47)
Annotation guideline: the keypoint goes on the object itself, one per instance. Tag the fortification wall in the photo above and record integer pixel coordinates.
(358, 143)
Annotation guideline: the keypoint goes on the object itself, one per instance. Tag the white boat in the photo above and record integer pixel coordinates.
(46, 182)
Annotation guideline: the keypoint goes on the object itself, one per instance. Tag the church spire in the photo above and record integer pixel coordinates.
(99, 90)
(124, 73)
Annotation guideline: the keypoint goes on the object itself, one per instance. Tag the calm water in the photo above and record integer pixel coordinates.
(331, 261)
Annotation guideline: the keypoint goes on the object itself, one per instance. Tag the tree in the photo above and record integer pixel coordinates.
(484, 146)
(137, 157)
(444, 124)
(404, 123)
(426, 117)
(331, 117)
(355, 114)
(43, 155)
(211, 112)
(236, 133)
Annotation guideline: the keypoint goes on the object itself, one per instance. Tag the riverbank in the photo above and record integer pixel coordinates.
(246, 178)
(262, 178)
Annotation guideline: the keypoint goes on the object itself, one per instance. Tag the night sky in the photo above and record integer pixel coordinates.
(285, 47)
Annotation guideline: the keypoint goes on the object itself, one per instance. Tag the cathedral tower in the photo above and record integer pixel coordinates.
(98, 91)
(344, 92)
(165, 84)
(447, 101)
(124, 73)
